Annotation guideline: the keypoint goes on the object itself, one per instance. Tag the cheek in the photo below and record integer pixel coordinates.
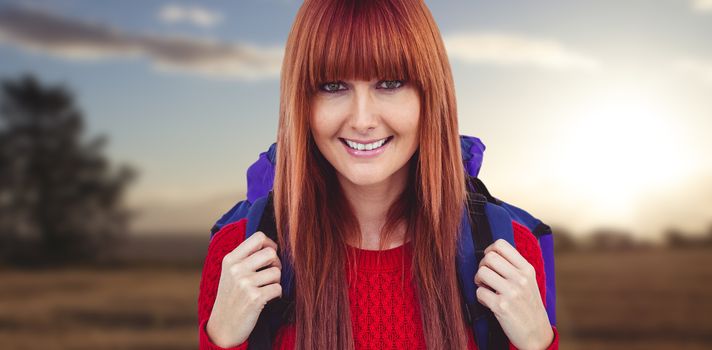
(325, 121)
(406, 121)
(321, 127)
(406, 114)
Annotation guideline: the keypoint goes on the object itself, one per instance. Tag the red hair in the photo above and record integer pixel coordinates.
(366, 39)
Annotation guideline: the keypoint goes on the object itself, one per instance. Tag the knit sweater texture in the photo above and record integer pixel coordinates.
(385, 312)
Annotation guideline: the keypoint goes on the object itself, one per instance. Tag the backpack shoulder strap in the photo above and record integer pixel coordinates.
(545, 238)
(277, 311)
(484, 223)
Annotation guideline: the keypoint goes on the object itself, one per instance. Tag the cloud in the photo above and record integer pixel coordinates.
(507, 49)
(69, 38)
(194, 15)
(701, 5)
(695, 67)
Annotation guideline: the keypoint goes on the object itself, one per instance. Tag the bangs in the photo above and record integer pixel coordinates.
(358, 40)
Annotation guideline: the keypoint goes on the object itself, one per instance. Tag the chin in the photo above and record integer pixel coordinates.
(366, 182)
(364, 179)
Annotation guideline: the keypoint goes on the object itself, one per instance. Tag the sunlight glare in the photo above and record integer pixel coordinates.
(624, 145)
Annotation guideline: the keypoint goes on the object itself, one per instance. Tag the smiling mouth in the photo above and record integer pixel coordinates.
(366, 146)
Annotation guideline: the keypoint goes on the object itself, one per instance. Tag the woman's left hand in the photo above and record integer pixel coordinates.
(507, 286)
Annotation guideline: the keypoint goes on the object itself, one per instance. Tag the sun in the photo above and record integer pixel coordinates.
(622, 145)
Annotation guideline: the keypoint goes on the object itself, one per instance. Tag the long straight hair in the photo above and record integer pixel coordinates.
(368, 39)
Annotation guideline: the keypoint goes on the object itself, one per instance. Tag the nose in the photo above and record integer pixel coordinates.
(363, 117)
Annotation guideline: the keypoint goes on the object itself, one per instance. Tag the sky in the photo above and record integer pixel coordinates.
(595, 114)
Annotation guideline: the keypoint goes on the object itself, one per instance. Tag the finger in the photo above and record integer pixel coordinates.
(500, 265)
(252, 244)
(271, 291)
(265, 257)
(486, 297)
(490, 278)
(508, 252)
(266, 276)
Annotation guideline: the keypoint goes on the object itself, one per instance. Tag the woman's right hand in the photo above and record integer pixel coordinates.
(243, 291)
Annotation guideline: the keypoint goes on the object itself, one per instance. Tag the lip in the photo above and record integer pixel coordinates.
(365, 153)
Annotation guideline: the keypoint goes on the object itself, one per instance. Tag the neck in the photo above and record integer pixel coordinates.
(371, 203)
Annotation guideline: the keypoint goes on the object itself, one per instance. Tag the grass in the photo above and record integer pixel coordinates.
(647, 299)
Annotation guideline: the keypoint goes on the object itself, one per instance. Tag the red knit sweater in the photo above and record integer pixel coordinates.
(384, 315)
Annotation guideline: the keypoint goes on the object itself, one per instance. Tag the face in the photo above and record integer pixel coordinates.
(367, 130)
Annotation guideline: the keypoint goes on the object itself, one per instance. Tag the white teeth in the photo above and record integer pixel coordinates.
(368, 147)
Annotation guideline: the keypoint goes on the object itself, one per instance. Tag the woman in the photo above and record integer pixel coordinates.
(368, 195)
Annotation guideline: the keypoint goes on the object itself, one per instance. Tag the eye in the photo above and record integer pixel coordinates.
(331, 87)
(391, 84)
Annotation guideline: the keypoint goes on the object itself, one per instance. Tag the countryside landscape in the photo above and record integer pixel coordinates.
(620, 298)
(127, 128)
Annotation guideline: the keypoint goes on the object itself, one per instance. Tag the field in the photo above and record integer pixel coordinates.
(655, 299)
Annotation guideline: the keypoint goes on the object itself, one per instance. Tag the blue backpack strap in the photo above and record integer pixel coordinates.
(261, 218)
(279, 310)
(491, 223)
(545, 238)
(254, 216)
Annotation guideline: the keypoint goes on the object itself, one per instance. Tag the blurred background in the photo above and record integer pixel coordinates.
(126, 129)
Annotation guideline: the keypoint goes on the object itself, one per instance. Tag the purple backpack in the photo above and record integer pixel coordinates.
(492, 219)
